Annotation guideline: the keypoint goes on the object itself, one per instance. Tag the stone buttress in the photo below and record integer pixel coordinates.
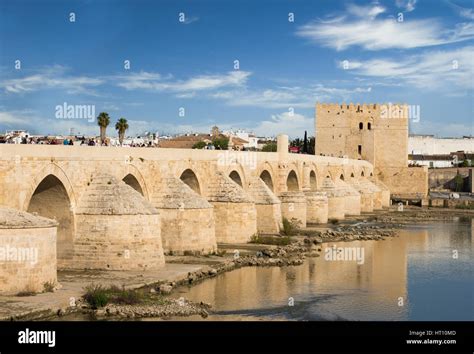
(316, 207)
(27, 252)
(336, 203)
(268, 207)
(187, 219)
(117, 229)
(352, 198)
(234, 210)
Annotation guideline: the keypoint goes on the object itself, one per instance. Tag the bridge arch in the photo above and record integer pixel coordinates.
(134, 178)
(266, 177)
(292, 183)
(51, 199)
(189, 177)
(235, 176)
(313, 180)
(132, 181)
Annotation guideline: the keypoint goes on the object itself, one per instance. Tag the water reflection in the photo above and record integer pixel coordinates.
(411, 277)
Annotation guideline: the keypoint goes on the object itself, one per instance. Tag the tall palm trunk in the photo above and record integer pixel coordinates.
(102, 134)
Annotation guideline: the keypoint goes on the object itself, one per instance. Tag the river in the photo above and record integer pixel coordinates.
(424, 274)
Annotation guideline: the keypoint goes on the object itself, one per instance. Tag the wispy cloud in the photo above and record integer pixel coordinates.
(407, 5)
(157, 82)
(285, 97)
(430, 70)
(292, 124)
(51, 77)
(363, 27)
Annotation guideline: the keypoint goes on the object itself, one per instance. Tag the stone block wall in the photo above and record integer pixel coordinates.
(28, 275)
(188, 230)
(118, 242)
(237, 222)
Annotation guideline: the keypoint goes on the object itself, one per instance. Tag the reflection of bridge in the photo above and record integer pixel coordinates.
(200, 196)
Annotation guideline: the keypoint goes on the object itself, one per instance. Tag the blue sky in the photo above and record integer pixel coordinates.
(427, 60)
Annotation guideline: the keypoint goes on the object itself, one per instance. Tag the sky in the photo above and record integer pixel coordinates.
(183, 66)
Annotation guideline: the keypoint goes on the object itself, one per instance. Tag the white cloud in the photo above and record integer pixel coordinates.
(372, 33)
(53, 77)
(407, 5)
(450, 69)
(11, 118)
(285, 97)
(292, 124)
(156, 82)
(365, 11)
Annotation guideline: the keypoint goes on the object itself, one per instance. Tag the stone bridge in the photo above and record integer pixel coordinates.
(124, 208)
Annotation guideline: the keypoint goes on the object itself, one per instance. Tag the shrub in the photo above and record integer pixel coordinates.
(96, 296)
(49, 287)
(270, 147)
(290, 228)
(199, 145)
(221, 143)
(99, 296)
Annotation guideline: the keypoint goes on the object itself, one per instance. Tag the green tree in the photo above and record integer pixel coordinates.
(221, 143)
(305, 143)
(103, 120)
(121, 126)
(311, 146)
(199, 145)
(270, 147)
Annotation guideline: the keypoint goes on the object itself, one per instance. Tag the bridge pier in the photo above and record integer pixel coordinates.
(316, 207)
(351, 198)
(187, 219)
(366, 195)
(268, 207)
(385, 191)
(117, 229)
(234, 210)
(32, 236)
(336, 203)
(293, 206)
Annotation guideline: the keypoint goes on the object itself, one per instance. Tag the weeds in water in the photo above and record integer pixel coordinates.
(464, 206)
(98, 296)
(271, 240)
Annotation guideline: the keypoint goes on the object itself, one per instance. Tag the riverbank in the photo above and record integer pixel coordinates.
(191, 270)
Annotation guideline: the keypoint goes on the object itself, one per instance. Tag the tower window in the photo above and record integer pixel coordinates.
(359, 149)
(361, 126)
(369, 126)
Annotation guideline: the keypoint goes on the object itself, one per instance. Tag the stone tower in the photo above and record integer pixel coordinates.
(377, 133)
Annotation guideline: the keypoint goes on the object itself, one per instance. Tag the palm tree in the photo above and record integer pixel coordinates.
(121, 126)
(103, 120)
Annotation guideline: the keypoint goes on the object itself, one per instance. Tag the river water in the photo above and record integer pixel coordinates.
(424, 274)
